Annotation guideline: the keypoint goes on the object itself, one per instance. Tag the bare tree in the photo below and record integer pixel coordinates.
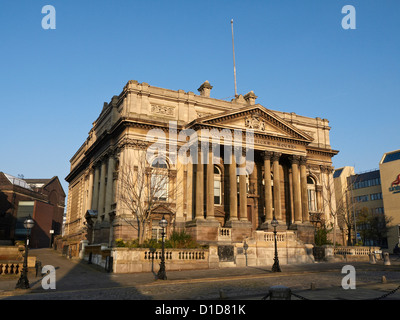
(145, 187)
(329, 202)
(373, 226)
(347, 212)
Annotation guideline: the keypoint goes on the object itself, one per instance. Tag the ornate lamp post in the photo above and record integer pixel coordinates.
(23, 282)
(161, 273)
(275, 267)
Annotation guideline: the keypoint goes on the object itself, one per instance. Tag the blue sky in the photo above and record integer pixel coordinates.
(294, 54)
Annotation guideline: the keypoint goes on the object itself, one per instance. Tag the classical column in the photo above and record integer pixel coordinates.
(190, 187)
(95, 197)
(90, 191)
(296, 188)
(268, 186)
(199, 186)
(100, 206)
(304, 195)
(233, 188)
(181, 186)
(109, 188)
(242, 189)
(277, 185)
(210, 185)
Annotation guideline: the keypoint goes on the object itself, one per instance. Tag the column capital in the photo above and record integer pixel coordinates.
(267, 155)
(276, 156)
(294, 159)
(303, 160)
(326, 169)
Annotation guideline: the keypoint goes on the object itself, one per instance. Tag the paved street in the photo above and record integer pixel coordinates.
(77, 280)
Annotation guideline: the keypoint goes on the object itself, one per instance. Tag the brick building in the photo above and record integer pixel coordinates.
(42, 199)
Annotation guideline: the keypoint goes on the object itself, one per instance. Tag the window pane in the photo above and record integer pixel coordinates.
(25, 209)
(217, 192)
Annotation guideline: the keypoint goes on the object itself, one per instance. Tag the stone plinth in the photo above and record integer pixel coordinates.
(240, 230)
(203, 230)
(304, 231)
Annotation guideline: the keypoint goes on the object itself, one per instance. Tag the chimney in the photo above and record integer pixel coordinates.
(250, 98)
(205, 89)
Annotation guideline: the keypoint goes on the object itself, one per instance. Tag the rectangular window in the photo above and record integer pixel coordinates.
(376, 196)
(25, 209)
(156, 233)
(159, 187)
(311, 200)
(217, 192)
(361, 198)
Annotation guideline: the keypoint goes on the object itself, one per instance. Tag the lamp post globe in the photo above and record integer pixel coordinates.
(163, 223)
(29, 223)
(23, 282)
(161, 273)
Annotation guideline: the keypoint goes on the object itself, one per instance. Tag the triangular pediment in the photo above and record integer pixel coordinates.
(257, 118)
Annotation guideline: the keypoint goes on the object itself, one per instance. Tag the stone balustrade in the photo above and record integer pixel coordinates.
(176, 254)
(127, 260)
(257, 250)
(349, 253)
(224, 234)
(356, 251)
(269, 237)
(9, 267)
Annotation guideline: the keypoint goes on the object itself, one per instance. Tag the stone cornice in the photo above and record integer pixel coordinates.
(319, 151)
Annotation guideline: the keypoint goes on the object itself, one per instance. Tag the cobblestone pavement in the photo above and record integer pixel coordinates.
(77, 280)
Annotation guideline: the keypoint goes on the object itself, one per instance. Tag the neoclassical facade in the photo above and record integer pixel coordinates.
(230, 167)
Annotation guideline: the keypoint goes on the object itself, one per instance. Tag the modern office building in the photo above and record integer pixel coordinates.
(366, 202)
(389, 167)
(375, 193)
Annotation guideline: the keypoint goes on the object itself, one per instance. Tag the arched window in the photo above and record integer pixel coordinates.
(217, 186)
(312, 199)
(159, 180)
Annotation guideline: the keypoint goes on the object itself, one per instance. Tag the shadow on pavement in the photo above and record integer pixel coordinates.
(74, 280)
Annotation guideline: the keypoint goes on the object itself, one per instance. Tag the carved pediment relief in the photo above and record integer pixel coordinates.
(257, 118)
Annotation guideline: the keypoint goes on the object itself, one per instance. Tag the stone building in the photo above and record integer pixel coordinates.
(230, 167)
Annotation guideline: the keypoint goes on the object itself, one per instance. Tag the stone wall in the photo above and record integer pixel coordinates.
(257, 251)
(345, 253)
(16, 254)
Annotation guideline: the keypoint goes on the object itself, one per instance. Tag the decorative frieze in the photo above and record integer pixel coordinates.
(164, 110)
(133, 143)
(203, 114)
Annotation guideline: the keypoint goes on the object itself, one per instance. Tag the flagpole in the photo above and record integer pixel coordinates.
(234, 65)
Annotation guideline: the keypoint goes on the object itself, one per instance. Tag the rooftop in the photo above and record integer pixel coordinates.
(391, 156)
(17, 181)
